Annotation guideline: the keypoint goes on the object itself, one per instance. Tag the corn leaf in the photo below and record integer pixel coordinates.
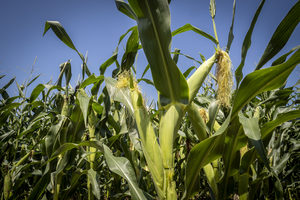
(251, 129)
(246, 45)
(94, 180)
(155, 34)
(84, 102)
(263, 80)
(126, 9)
(132, 46)
(61, 33)
(68, 192)
(281, 35)
(41, 185)
(90, 80)
(36, 92)
(187, 56)
(230, 35)
(267, 129)
(282, 58)
(235, 139)
(114, 57)
(189, 27)
(122, 167)
(203, 153)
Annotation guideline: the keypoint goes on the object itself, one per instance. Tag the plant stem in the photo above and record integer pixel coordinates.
(57, 186)
(215, 31)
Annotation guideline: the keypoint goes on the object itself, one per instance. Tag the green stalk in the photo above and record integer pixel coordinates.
(64, 112)
(92, 121)
(57, 186)
(215, 32)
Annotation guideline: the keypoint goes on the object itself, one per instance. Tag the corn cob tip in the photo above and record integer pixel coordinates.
(124, 81)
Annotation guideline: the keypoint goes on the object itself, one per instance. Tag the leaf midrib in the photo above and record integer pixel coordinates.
(161, 52)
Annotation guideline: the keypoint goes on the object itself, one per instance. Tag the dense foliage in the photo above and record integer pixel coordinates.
(100, 140)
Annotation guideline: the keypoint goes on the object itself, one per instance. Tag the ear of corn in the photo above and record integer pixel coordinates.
(197, 122)
(7, 185)
(148, 138)
(169, 126)
(197, 79)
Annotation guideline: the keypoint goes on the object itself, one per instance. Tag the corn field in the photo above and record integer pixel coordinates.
(222, 135)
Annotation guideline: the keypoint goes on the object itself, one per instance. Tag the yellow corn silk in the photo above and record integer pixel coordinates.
(203, 114)
(124, 81)
(224, 78)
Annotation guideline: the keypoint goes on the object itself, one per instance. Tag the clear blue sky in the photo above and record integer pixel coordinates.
(95, 26)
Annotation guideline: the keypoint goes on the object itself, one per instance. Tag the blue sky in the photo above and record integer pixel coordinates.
(95, 26)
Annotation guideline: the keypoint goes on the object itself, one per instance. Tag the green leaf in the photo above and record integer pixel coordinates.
(148, 81)
(114, 57)
(36, 92)
(74, 183)
(188, 71)
(90, 80)
(33, 79)
(245, 165)
(255, 185)
(84, 102)
(68, 146)
(282, 58)
(267, 129)
(10, 106)
(155, 34)
(281, 35)
(230, 35)
(263, 80)
(189, 27)
(203, 153)
(126, 9)
(132, 46)
(9, 83)
(97, 108)
(61, 33)
(94, 180)
(146, 69)
(52, 134)
(41, 185)
(187, 56)
(6, 136)
(235, 139)
(246, 45)
(122, 167)
(251, 129)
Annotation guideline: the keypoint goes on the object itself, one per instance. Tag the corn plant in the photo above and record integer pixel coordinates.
(202, 141)
(176, 96)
